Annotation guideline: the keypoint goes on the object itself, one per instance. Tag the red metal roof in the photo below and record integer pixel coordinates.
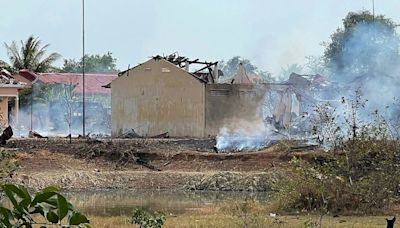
(93, 82)
(29, 75)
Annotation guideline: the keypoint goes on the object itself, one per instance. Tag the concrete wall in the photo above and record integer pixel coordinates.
(157, 97)
(3, 112)
(226, 104)
(5, 94)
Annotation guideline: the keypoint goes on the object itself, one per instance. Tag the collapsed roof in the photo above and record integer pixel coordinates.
(207, 71)
(7, 80)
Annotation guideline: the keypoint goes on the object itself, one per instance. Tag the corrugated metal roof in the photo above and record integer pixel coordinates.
(93, 82)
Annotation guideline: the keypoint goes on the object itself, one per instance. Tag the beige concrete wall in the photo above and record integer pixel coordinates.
(157, 97)
(3, 112)
(5, 93)
(227, 104)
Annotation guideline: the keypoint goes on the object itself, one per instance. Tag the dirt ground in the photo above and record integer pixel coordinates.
(173, 161)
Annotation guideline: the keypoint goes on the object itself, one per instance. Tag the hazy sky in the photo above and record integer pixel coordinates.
(271, 33)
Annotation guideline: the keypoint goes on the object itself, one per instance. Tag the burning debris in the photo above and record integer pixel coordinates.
(242, 140)
(283, 114)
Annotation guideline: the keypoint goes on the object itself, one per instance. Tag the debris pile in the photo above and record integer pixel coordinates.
(6, 135)
(131, 134)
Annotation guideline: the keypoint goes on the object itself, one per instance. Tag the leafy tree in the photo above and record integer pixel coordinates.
(230, 68)
(105, 63)
(365, 43)
(31, 55)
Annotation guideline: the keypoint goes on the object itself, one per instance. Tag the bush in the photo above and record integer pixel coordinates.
(249, 213)
(146, 219)
(359, 173)
(8, 164)
(52, 206)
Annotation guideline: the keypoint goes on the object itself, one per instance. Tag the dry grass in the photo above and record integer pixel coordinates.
(212, 218)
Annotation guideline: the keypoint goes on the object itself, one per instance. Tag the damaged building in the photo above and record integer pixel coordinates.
(164, 94)
(9, 98)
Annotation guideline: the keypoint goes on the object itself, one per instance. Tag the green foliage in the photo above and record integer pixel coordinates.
(105, 63)
(48, 204)
(146, 219)
(8, 163)
(377, 38)
(31, 55)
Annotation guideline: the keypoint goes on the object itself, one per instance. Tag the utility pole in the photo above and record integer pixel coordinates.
(373, 9)
(83, 69)
(32, 108)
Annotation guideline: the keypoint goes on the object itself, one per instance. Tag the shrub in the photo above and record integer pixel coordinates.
(146, 219)
(52, 206)
(359, 173)
(8, 163)
(248, 213)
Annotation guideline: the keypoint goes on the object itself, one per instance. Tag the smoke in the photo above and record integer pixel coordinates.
(253, 133)
(370, 65)
(244, 136)
(370, 62)
(54, 110)
(365, 75)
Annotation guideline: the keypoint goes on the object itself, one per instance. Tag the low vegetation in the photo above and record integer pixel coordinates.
(45, 208)
(8, 164)
(359, 174)
(148, 219)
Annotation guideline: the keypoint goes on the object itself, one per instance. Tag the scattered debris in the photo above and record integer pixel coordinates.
(161, 136)
(34, 134)
(215, 149)
(7, 134)
(93, 140)
(133, 156)
(131, 134)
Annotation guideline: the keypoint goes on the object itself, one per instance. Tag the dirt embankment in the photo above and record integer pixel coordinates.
(137, 163)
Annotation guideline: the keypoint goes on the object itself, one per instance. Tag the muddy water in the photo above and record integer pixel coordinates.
(122, 202)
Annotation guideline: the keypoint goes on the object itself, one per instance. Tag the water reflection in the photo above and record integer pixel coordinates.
(122, 202)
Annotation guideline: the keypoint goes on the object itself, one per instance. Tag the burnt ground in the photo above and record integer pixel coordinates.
(151, 156)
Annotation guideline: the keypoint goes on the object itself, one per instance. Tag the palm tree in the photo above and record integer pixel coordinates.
(31, 55)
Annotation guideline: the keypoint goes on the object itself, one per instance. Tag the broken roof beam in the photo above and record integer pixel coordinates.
(203, 68)
(211, 75)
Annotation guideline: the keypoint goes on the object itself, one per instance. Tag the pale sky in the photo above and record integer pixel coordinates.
(271, 33)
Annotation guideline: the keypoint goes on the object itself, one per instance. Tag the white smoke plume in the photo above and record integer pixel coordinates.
(244, 136)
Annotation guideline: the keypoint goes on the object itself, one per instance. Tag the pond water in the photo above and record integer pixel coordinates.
(122, 202)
